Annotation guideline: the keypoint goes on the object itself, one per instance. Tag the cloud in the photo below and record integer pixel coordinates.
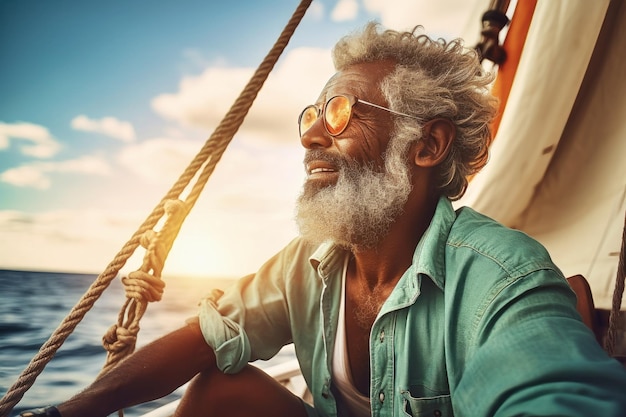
(210, 244)
(249, 199)
(64, 240)
(159, 160)
(203, 100)
(443, 18)
(68, 225)
(108, 126)
(345, 10)
(36, 174)
(42, 143)
(315, 11)
(26, 176)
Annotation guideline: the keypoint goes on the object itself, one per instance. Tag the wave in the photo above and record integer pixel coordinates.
(32, 306)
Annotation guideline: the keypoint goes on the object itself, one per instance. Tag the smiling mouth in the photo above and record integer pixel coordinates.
(321, 176)
(322, 166)
(320, 170)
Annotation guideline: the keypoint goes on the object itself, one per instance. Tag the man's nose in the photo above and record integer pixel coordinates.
(316, 136)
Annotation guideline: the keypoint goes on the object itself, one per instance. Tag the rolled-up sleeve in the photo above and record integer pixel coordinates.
(226, 337)
(250, 320)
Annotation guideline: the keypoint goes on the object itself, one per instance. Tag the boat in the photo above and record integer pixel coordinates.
(556, 169)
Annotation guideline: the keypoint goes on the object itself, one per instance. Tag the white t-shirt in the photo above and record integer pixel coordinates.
(357, 403)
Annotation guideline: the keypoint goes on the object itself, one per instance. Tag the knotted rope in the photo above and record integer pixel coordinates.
(142, 286)
(207, 158)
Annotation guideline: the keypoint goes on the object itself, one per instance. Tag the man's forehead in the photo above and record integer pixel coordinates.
(355, 79)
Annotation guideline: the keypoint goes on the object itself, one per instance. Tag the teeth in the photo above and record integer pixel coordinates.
(316, 170)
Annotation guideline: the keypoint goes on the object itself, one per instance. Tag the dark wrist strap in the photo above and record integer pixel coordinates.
(50, 411)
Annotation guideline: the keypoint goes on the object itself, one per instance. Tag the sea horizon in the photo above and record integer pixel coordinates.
(164, 276)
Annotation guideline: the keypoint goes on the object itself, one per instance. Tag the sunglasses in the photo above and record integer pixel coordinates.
(337, 112)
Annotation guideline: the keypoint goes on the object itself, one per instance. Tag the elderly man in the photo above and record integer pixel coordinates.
(396, 303)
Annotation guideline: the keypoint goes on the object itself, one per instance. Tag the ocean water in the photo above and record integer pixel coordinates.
(33, 305)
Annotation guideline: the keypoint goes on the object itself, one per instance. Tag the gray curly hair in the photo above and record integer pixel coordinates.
(432, 79)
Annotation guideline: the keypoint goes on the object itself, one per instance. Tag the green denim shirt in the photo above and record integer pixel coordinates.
(481, 324)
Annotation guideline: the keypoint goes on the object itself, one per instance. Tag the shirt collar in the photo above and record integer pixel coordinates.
(326, 258)
(429, 256)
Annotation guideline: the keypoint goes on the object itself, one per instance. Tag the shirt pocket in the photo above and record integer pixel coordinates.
(439, 406)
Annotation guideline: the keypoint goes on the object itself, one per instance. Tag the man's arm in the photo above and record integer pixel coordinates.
(150, 373)
(534, 356)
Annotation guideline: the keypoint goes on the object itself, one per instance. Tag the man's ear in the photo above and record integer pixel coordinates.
(437, 137)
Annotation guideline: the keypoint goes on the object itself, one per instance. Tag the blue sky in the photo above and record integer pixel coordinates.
(103, 104)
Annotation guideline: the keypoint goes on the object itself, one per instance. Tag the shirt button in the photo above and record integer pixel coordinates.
(382, 336)
(381, 397)
(437, 413)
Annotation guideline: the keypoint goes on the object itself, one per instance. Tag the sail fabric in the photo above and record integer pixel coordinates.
(578, 209)
(557, 166)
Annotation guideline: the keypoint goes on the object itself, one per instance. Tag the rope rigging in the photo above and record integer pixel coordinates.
(122, 336)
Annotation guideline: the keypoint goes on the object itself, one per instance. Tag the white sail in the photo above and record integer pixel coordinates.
(557, 168)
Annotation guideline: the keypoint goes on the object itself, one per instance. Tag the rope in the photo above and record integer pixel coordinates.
(142, 287)
(611, 336)
(159, 246)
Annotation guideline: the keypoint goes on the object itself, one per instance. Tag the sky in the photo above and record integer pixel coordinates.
(103, 105)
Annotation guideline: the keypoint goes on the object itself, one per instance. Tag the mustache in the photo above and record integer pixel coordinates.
(339, 162)
(320, 155)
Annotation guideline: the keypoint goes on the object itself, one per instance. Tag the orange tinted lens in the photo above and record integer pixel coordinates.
(307, 118)
(337, 114)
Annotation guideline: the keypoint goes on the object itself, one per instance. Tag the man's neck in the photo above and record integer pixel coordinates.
(383, 265)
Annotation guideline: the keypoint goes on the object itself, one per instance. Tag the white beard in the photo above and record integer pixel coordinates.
(357, 212)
